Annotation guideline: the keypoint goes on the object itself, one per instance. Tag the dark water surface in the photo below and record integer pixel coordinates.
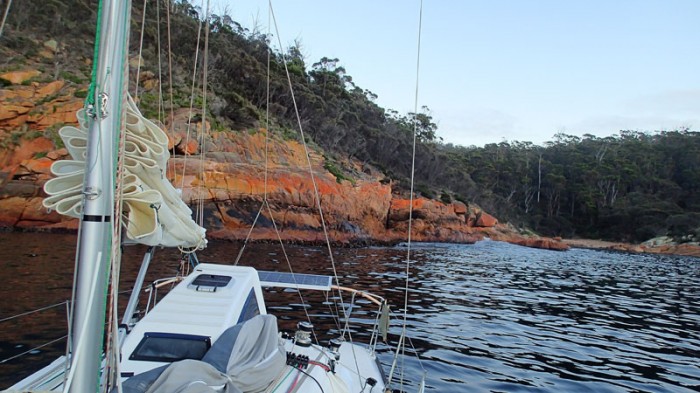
(485, 317)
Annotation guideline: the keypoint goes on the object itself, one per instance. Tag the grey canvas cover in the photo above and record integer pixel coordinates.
(247, 358)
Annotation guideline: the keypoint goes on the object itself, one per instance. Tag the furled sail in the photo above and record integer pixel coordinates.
(155, 213)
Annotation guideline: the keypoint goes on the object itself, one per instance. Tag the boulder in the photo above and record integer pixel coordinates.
(540, 242)
(19, 77)
(49, 89)
(459, 208)
(485, 220)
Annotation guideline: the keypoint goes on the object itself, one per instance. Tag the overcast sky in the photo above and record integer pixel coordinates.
(494, 70)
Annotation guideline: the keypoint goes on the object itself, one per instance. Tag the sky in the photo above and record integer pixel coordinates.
(508, 70)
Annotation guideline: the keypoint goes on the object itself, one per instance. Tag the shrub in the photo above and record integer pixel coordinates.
(70, 77)
(335, 171)
(445, 198)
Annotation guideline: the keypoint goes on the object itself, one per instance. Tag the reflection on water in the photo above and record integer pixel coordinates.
(485, 317)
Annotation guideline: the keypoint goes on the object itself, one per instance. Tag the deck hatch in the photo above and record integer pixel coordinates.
(170, 347)
(210, 282)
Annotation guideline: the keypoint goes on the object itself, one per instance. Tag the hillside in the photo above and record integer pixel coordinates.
(627, 188)
(45, 80)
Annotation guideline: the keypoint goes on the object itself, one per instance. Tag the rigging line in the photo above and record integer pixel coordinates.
(117, 225)
(401, 347)
(267, 99)
(138, 69)
(311, 172)
(245, 242)
(266, 167)
(31, 350)
(4, 17)
(83, 329)
(335, 319)
(308, 158)
(160, 66)
(202, 143)
(32, 311)
(114, 255)
(192, 90)
(170, 167)
(267, 139)
(267, 144)
(289, 264)
(267, 150)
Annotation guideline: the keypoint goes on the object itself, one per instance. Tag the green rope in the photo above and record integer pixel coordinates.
(90, 99)
(283, 379)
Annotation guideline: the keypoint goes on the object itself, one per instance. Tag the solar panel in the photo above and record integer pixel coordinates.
(296, 280)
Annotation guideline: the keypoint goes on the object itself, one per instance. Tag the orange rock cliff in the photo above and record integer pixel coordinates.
(231, 181)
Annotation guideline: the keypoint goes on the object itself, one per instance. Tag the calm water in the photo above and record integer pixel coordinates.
(485, 317)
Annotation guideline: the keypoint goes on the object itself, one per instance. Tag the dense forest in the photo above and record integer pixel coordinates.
(633, 186)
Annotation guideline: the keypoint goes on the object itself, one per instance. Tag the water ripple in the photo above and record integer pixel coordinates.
(486, 317)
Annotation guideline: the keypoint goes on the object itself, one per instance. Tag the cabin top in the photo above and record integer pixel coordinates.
(185, 323)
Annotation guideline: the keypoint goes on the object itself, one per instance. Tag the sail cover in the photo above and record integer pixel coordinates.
(247, 357)
(154, 212)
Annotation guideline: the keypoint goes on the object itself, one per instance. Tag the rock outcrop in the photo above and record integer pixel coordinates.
(655, 246)
(230, 181)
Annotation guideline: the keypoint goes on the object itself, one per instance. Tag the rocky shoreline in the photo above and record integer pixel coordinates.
(670, 248)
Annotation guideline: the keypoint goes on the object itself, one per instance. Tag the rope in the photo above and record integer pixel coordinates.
(250, 231)
(160, 66)
(267, 98)
(289, 264)
(112, 375)
(401, 347)
(306, 153)
(170, 87)
(138, 69)
(311, 174)
(202, 142)
(4, 17)
(189, 114)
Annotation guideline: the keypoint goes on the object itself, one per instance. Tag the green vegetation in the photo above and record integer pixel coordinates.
(51, 133)
(65, 75)
(33, 134)
(335, 171)
(46, 99)
(632, 187)
(445, 198)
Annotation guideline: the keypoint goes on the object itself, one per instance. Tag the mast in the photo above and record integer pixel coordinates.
(107, 115)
